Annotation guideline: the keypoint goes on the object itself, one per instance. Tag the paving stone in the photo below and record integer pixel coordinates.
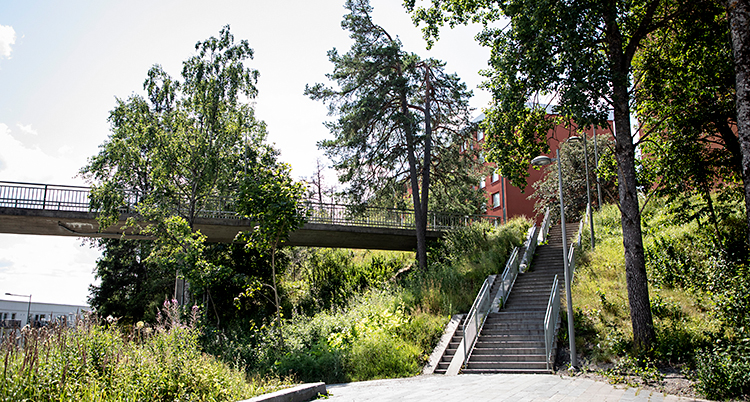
(493, 387)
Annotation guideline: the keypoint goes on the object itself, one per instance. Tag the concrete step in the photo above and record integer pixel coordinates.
(511, 344)
(502, 359)
(505, 366)
(482, 350)
(506, 371)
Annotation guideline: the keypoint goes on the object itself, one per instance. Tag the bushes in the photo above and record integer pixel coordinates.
(373, 338)
(98, 362)
(723, 371)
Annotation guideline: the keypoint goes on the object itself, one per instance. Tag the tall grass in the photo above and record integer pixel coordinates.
(95, 361)
(460, 263)
(698, 290)
(361, 315)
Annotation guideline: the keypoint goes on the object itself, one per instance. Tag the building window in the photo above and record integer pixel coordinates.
(495, 177)
(483, 182)
(495, 200)
(480, 135)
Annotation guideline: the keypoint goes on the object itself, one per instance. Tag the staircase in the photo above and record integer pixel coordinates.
(512, 340)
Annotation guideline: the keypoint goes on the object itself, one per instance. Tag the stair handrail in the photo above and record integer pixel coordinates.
(544, 230)
(476, 317)
(507, 279)
(530, 248)
(584, 220)
(572, 262)
(550, 321)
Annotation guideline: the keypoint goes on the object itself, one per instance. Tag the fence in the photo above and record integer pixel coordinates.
(74, 198)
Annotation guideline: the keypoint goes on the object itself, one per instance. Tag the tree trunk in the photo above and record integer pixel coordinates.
(632, 240)
(630, 214)
(422, 248)
(738, 17)
(420, 215)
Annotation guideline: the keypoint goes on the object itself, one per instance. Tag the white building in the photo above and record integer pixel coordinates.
(15, 313)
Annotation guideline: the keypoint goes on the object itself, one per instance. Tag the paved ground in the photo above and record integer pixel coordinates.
(499, 387)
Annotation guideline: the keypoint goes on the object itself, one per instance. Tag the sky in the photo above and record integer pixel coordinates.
(64, 64)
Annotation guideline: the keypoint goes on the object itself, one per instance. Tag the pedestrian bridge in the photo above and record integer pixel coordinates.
(55, 210)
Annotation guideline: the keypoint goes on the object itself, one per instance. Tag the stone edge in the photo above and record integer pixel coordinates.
(300, 393)
(437, 353)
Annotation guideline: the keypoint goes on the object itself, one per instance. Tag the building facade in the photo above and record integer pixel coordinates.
(507, 201)
(15, 314)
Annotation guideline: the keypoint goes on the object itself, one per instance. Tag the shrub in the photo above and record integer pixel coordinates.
(99, 362)
(723, 371)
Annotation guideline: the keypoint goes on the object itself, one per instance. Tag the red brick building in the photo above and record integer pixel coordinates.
(507, 201)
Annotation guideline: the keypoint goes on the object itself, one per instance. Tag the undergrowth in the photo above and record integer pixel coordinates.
(359, 315)
(99, 361)
(699, 295)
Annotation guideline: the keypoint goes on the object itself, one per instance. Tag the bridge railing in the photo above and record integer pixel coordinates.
(44, 196)
(392, 218)
(76, 198)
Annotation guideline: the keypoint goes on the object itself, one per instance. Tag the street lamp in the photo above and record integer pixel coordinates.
(544, 160)
(28, 312)
(589, 209)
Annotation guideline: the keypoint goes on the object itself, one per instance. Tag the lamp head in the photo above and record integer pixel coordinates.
(574, 138)
(542, 160)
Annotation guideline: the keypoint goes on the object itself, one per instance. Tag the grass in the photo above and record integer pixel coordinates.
(698, 301)
(98, 361)
(359, 315)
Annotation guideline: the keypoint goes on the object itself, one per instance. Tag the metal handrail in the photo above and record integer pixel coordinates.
(550, 321)
(508, 278)
(77, 199)
(572, 262)
(530, 248)
(581, 225)
(544, 230)
(337, 214)
(476, 317)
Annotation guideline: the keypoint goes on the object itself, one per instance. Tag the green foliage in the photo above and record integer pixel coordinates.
(372, 338)
(400, 123)
(699, 297)
(460, 263)
(546, 191)
(331, 277)
(130, 287)
(724, 370)
(92, 361)
(194, 146)
(686, 104)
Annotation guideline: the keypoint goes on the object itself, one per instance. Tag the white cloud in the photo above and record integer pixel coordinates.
(19, 162)
(27, 129)
(52, 268)
(7, 38)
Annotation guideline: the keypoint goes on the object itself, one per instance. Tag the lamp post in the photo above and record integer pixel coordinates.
(543, 160)
(28, 311)
(589, 210)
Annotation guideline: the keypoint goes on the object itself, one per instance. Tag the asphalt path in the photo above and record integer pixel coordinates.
(496, 387)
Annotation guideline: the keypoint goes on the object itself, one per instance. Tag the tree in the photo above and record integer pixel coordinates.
(580, 53)
(130, 287)
(738, 17)
(685, 85)
(546, 191)
(179, 151)
(395, 112)
(270, 198)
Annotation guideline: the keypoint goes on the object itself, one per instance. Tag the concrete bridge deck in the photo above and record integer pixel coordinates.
(49, 210)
